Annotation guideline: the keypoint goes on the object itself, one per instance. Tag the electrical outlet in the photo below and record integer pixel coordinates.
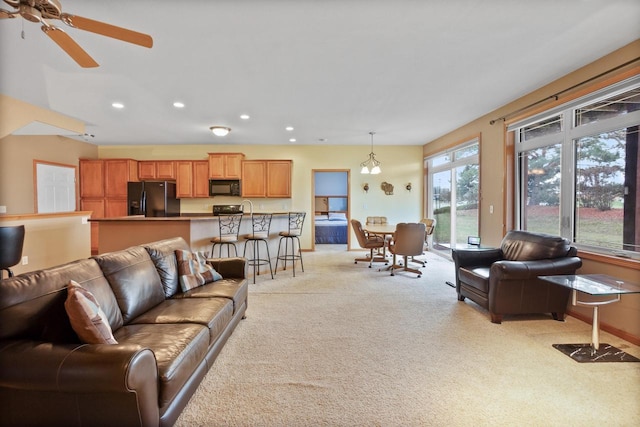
(3, 209)
(25, 260)
(490, 209)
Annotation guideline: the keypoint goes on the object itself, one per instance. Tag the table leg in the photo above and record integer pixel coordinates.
(595, 330)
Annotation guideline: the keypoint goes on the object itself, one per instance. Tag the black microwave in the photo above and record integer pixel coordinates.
(224, 187)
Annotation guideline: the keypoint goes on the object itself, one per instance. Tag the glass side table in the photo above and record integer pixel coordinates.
(599, 285)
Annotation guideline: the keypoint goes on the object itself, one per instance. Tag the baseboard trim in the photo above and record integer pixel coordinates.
(633, 339)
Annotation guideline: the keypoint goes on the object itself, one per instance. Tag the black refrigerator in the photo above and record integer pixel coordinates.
(153, 198)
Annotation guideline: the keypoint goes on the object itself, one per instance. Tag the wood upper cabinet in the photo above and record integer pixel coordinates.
(160, 169)
(254, 173)
(201, 178)
(117, 172)
(91, 178)
(279, 178)
(266, 178)
(146, 170)
(225, 165)
(184, 181)
(192, 178)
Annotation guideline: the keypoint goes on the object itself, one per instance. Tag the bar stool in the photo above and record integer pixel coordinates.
(11, 243)
(261, 222)
(229, 225)
(296, 220)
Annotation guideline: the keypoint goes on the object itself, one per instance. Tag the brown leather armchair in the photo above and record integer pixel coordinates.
(505, 280)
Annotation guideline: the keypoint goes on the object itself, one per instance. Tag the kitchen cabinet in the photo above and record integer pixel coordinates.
(254, 173)
(266, 178)
(225, 165)
(103, 189)
(201, 178)
(117, 172)
(91, 178)
(160, 169)
(279, 178)
(192, 178)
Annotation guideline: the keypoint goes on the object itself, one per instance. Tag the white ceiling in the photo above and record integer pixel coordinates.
(409, 70)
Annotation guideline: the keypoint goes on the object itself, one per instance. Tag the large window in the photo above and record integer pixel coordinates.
(577, 168)
(454, 184)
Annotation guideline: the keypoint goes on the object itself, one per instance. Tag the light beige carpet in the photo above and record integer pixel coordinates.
(345, 345)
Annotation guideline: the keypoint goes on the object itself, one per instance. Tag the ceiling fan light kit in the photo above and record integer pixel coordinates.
(38, 11)
(220, 130)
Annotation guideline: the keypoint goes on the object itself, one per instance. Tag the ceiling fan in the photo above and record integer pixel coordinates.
(39, 11)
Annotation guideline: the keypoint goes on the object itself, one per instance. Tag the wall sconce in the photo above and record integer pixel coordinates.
(366, 187)
(408, 187)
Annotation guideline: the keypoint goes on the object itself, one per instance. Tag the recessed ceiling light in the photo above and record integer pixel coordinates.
(178, 104)
(322, 139)
(117, 105)
(245, 116)
(289, 128)
(292, 140)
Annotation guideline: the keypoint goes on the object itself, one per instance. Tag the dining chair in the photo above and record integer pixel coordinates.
(368, 241)
(407, 241)
(229, 226)
(430, 226)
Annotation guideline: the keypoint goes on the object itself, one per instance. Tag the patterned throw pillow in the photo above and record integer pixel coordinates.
(194, 270)
(87, 319)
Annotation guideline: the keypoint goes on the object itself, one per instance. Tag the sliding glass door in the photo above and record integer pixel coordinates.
(453, 184)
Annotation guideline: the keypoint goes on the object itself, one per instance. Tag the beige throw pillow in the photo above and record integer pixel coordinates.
(194, 270)
(87, 318)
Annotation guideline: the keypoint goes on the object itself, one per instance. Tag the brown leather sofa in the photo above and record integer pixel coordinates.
(167, 339)
(505, 280)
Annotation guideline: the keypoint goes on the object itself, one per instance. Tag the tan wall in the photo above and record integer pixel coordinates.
(17, 153)
(623, 317)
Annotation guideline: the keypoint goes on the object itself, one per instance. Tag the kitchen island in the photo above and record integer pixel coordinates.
(196, 229)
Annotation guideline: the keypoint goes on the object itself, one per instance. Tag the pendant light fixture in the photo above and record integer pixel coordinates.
(371, 165)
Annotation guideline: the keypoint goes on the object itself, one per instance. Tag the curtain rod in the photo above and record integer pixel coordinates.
(556, 96)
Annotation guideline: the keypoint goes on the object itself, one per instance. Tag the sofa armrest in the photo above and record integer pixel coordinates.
(475, 257)
(524, 270)
(32, 365)
(229, 268)
(75, 382)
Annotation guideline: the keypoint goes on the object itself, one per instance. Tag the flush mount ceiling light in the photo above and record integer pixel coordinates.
(220, 130)
(371, 165)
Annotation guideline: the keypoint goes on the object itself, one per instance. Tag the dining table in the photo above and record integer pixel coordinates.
(386, 231)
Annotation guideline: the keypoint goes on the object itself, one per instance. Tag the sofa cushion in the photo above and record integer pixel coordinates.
(234, 289)
(86, 317)
(179, 348)
(477, 277)
(163, 255)
(133, 279)
(520, 245)
(214, 313)
(194, 270)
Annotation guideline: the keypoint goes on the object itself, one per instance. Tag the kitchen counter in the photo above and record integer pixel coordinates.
(196, 228)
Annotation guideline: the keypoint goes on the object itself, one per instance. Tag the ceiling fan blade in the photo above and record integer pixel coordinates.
(67, 44)
(108, 30)
(6, 14)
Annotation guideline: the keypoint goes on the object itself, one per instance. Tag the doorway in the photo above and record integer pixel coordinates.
(330, 207)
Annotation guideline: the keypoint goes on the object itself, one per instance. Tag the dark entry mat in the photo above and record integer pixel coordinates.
(583, 353)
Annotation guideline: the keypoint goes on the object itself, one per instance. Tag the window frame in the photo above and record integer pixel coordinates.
(566, 138)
